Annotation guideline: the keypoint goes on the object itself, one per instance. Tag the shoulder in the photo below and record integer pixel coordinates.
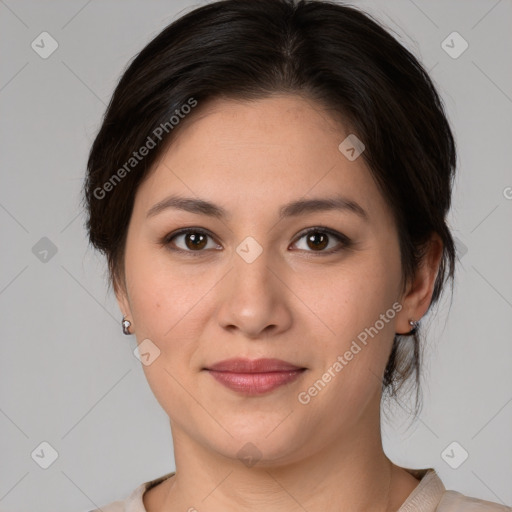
(432, 496)
(134, 502)
(453, 501)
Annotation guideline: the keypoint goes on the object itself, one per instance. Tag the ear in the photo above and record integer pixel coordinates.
(121, 293)
(416, 300)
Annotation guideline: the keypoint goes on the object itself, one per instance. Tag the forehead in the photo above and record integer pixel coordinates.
(267, 151)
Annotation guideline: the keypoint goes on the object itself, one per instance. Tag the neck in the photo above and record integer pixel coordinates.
(350, 474)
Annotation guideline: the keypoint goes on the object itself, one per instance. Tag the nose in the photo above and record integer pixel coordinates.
(254, 299)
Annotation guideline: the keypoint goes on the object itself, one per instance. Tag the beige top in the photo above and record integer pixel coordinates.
(429, 495)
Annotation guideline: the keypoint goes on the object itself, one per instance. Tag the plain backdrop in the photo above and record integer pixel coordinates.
(68, 376)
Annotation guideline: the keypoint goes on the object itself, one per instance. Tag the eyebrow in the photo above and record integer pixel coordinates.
(292, 209)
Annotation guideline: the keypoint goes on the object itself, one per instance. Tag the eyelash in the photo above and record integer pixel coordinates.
(341, 238)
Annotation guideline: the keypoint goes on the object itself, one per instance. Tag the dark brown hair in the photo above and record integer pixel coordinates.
(330, 53)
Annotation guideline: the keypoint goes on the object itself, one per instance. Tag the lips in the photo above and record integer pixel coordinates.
(240, 365)
(253, 377)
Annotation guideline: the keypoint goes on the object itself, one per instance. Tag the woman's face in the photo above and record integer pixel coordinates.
(252, 284)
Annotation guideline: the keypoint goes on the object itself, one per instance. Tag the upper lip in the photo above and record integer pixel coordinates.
(241, 365)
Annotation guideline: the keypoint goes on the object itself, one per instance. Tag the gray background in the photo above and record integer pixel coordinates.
(68, 375)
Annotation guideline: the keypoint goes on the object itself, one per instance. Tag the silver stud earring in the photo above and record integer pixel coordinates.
(414, 326)
(126, 326)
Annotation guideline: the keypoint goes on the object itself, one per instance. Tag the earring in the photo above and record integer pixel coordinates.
(414, 326)
(126, 326)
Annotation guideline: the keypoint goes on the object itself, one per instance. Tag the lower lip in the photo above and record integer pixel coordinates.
(255, 383)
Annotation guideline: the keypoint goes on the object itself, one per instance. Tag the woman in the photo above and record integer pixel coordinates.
(270, 187)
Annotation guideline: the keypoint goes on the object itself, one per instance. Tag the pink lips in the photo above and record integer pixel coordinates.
(254, 376)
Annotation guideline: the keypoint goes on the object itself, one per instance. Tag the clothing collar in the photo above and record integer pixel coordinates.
(424, 498)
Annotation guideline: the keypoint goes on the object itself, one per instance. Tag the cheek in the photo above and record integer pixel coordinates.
(351, 296)
(166, 307)
(163, 295)
(357, 302)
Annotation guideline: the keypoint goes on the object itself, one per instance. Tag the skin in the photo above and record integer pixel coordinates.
(293, 302)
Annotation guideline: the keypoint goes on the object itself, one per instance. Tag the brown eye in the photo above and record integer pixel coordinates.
(317, 240)
(190, 240)
(195, 241)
